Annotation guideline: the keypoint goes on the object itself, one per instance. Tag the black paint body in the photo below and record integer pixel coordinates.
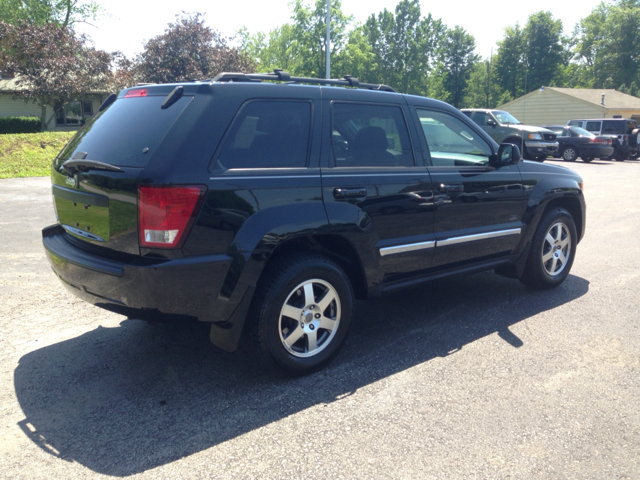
(251, 216)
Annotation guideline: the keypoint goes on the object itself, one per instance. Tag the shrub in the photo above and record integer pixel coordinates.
(19, 124)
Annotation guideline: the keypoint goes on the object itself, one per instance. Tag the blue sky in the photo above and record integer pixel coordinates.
(130, 22)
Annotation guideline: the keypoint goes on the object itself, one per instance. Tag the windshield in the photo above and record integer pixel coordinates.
(505, 117)
(582, 132)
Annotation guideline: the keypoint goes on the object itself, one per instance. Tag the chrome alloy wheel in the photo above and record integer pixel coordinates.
(569, 154)
(556, 249)
(309, 318)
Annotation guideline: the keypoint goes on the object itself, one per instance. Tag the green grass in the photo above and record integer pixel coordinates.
(30, 154)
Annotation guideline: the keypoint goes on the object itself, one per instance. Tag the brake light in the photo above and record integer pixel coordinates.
(137, 92)
(166, 214)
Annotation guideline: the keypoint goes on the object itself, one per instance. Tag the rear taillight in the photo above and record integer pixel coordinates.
(165, 214)
(137, 92)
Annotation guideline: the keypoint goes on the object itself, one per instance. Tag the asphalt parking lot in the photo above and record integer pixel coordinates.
(477, 377)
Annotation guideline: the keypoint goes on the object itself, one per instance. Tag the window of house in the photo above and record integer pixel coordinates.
(74, 114)
(370, 136)
(268, 134)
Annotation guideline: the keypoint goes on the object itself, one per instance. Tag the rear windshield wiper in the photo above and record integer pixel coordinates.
(82, 165)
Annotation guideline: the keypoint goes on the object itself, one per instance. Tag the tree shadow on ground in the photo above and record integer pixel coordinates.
(124, 400)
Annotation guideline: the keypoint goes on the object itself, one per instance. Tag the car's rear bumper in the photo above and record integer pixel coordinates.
(595, 151)
(155, 290)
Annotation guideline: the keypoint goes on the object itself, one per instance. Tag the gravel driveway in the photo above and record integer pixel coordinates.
(477, 377)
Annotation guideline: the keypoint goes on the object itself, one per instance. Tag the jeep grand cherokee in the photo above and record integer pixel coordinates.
(266, 208)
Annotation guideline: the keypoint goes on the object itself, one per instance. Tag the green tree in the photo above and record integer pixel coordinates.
(608, 42)
(457, 60)
(62, 13)
(405, 46)
(356, 59)
(482, 88)
(510, 61)
(543, 49)
(275, 49)
(299, 47)
(310, 30)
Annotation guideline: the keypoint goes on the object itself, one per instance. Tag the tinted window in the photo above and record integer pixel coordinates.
(119, 134)
(369, 136)
(451, 142)
(593, 126)
(577, 123)
(613, 126)
(268, 134)
(481, 118)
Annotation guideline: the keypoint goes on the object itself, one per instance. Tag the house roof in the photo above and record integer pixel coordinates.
(612, 98)
(11, 85)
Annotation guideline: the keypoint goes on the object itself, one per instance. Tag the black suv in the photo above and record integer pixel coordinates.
(266, 209)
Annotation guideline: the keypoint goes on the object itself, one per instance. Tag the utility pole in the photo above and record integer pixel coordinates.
(328, 42)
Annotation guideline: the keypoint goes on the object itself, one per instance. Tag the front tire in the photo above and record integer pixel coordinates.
(553, 249)
(301, 314)
(569, 154)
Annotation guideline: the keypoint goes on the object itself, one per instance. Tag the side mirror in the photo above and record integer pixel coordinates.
(508, 154)
(491, 122)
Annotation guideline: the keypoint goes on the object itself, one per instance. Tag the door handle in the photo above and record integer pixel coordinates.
(349, 192)
(456, 187)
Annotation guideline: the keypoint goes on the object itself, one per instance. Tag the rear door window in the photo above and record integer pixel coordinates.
(593, 126)
(370, 136)
(268, 134)
(126, 133)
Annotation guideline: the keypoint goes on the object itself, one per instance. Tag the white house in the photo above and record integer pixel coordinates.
(72, 117)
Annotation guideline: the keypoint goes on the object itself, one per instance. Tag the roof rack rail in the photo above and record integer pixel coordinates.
(282, 76)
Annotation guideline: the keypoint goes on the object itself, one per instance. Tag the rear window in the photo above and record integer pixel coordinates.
(583, 132)
(126, 133)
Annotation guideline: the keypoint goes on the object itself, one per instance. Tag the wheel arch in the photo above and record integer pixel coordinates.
(572, 205)
(335, 247)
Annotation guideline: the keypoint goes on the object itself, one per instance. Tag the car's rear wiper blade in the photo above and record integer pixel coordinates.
(83, 165)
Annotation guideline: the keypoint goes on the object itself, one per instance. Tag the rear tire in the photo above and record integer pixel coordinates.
(553, 249)
(301, 314)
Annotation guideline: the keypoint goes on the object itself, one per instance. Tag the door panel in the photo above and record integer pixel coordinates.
(478, 208)
(374, 193)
